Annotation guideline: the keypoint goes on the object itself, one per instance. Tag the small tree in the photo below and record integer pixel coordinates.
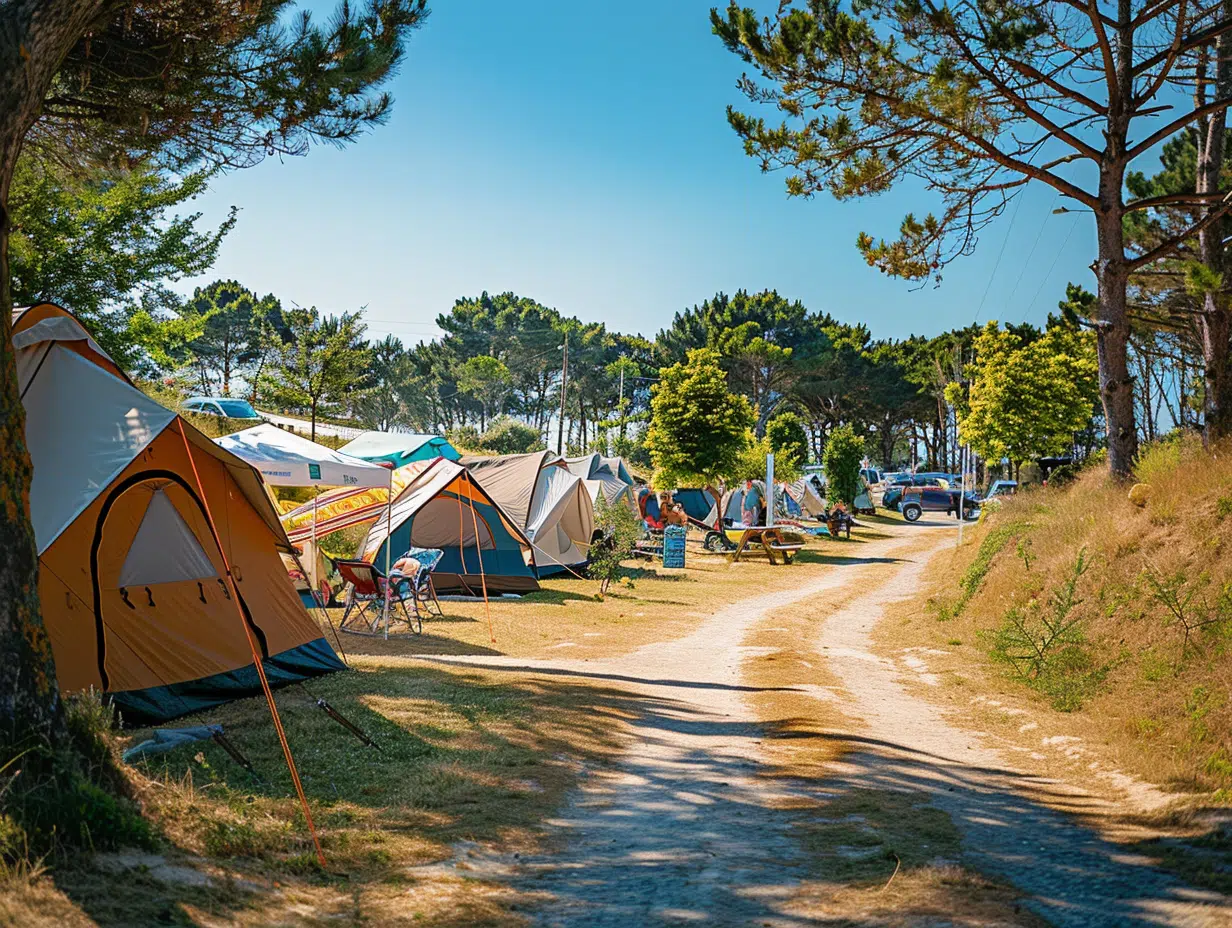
(509, 436)
(844, 451)
(620, 529)
(322, 366)
(698, 428)
(1027, 400)
(789, 442)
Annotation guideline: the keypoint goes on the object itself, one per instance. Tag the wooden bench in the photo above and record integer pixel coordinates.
(771, 541)
(787, 549)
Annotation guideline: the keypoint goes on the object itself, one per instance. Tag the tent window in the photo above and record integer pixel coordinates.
(436, 526)
(164, 549)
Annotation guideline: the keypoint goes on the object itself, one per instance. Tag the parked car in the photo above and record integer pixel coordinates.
(872, 476)
(1001, 488)
(225, 406)
(893, 495)
(919, 500)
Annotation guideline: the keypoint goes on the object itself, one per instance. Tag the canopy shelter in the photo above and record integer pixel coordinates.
(437, 504)
(733, 502)
(132, 577)
(284, 459)
(551, 505)
(807, 493)
(399, 448)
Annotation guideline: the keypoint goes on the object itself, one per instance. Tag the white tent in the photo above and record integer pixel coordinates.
(284, 459)
(605, 477)
(287, 460)
(807, 492)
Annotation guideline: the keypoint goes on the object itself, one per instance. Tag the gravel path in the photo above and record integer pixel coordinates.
(683, 831)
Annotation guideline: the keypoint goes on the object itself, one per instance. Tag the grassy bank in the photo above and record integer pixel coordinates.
(1111, 614)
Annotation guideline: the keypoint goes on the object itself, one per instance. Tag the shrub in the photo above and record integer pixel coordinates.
(1045, 647)
(618, 530)
(841, 461)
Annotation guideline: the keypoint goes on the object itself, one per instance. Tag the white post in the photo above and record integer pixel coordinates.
(769, 490)
(389, 520)
(962, 491)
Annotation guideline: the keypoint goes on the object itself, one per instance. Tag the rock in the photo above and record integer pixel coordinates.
(1140, 494)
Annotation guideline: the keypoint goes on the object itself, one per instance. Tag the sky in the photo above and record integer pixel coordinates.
(578, 153)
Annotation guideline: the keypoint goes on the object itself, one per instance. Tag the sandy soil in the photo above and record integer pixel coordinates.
(693, 826)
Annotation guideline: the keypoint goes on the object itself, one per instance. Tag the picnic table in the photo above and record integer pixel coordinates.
(771, 541)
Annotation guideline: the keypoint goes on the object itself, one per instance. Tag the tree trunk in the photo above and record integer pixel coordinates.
(1213, 323)
(312, 416)
(35, 35)
(1112, 331)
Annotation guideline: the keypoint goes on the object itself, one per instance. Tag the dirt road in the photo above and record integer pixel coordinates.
(689, 828)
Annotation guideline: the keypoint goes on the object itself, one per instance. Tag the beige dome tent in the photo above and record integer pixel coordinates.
(550, 504)
(131, 576)
(605, 478)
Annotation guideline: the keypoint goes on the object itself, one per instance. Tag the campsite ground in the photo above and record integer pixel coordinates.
(730, 744)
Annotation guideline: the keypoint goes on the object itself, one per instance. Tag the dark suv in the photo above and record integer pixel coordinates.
(919, 500)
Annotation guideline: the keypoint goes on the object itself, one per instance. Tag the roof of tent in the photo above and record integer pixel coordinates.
(74, 460)
(595, 466)
(697, 502)
(512, 479)
(399, 448)
(284, 459)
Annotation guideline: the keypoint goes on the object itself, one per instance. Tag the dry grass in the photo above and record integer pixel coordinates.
(1129, 695)
(567, 618)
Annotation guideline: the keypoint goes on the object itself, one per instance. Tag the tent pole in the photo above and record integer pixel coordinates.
(316, 581)
(389, 523)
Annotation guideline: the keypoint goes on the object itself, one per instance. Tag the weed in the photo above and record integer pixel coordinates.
(1181, 599)
(992, 545)
(1045, 647)
(955, 642)
(1223, 506)
(223, 838)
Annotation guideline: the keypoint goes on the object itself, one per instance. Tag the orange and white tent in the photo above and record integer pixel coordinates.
(132, 578)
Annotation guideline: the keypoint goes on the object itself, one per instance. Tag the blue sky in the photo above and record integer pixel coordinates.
(578, 154)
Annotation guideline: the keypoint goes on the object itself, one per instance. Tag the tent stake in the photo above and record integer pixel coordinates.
(348, 724)
(225, 743)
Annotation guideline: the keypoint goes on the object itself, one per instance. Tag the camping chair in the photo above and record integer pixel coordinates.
(365, 597)
(423, 590)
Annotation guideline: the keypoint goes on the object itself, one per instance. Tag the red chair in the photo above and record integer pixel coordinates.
(365, 598)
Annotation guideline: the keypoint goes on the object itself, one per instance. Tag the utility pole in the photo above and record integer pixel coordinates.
(564, 383)
(620, 405)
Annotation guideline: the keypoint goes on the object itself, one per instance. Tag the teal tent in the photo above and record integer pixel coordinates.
(399, 448)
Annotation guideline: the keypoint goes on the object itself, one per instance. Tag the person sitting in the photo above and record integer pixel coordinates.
(671, 512)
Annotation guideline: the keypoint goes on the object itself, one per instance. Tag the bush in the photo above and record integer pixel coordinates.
(841, 460)
(618, 530)
(508, 436)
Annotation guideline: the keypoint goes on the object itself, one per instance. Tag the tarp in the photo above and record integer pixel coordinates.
(399, 448)
(131, 576)
(284, 459)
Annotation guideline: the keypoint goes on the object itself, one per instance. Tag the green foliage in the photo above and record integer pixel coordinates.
(844, 451)
(789, 442)
(1027, 400)
(322, 367)
(699, 430)
(487, 380)
(620, 529)
(508, 436)
(228, 85)
(105, 243)
(1186, 606)
(239, 333)
(1044, 647)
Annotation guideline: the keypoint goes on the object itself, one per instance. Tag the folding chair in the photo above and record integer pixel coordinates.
(422, 587)
(365, 598)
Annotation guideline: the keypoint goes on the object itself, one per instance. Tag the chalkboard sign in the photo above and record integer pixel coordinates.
(673, 545)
